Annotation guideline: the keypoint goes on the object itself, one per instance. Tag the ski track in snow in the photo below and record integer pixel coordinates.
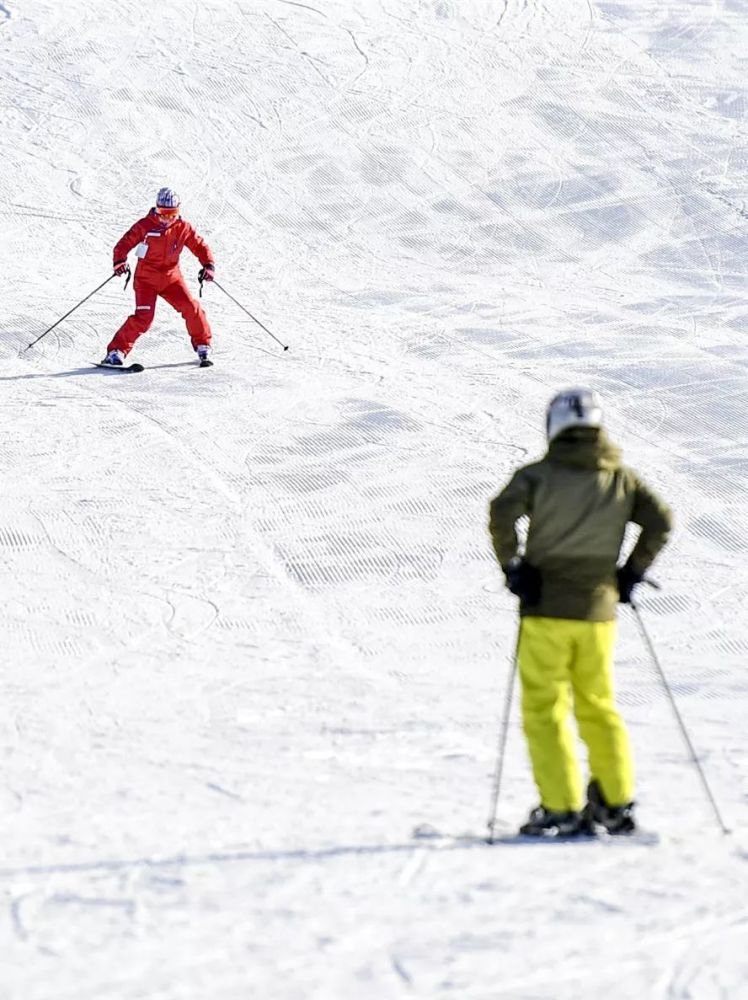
(253, 630)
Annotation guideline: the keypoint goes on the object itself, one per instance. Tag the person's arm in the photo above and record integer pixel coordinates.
(655, 519)
(197, 245)
(505, 510)
(132, 237)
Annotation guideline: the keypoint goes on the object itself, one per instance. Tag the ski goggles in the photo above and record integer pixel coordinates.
(167, 213)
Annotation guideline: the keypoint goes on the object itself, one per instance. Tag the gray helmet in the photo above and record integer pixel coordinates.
(573, 408)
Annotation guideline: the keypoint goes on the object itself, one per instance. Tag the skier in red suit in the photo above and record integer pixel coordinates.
(158, 240)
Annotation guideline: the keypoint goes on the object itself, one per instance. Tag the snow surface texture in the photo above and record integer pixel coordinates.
(252, 628)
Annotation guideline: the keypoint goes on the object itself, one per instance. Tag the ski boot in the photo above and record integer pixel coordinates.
(116, 358)
(544, 822)
(202, 355)
(615, 819)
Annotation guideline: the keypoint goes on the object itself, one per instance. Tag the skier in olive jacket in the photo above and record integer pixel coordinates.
(579, 499)
(158, 240)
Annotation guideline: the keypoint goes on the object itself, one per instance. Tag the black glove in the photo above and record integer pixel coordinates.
(627, 578)
(524, 581)
(119, 267)
(206, 273)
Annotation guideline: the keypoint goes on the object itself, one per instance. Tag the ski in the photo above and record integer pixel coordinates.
(425, 831)
(135, 367)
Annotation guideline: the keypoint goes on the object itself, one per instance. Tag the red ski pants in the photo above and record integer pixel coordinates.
(172, 288)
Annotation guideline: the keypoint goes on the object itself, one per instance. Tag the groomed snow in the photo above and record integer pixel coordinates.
(253, 633)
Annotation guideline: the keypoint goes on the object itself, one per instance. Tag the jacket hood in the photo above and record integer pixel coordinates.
(584, 448)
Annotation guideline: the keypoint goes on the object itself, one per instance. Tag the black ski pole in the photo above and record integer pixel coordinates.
(503, 733)
(683, 729)
(49, 329)
(284, 346)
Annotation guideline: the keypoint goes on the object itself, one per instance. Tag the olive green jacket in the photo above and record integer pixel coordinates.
(578, 498)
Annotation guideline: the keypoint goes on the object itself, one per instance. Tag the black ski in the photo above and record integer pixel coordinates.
(206, 363)
(504, 835)
(120, 368)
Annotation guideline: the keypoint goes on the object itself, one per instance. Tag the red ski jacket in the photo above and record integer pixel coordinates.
(164, 242)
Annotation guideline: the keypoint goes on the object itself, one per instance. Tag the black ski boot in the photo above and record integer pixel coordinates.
(615, 819)
(544, 822)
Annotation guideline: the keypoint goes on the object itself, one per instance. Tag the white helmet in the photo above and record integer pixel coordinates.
(573, 408)
(167, 198)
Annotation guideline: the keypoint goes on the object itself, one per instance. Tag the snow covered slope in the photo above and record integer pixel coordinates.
(252, 629)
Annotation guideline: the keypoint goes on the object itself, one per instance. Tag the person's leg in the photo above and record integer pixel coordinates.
(544, 656)
(600, 724)
(139, 321)
(177, 295)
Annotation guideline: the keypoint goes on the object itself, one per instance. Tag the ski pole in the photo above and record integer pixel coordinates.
(49, 329)
(284, 346)
(683, 729)
(503, 733)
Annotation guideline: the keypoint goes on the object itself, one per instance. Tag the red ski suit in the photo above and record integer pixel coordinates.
(157, 273)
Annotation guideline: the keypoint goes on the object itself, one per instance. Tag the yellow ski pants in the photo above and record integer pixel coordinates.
(559, 657)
